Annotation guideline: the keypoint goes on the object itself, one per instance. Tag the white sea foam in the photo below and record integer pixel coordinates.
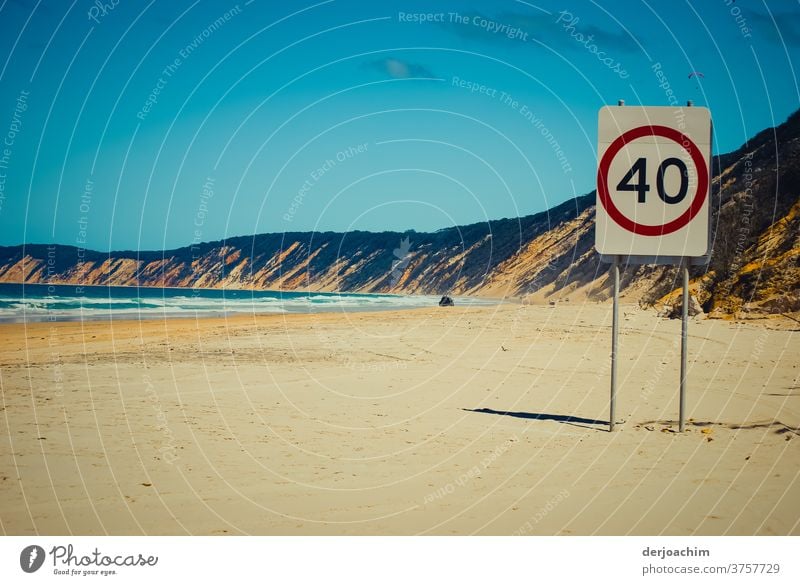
(32, 304)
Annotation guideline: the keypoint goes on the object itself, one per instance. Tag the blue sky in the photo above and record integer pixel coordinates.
(149, 125)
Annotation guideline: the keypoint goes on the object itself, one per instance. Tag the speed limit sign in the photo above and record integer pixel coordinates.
(653, 181)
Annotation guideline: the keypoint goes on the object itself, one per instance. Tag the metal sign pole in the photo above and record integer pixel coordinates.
(614, 345)
(684, 332)
(614, 337)
(684, 341)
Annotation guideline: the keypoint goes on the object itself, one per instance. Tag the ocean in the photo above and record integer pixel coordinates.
(43, 302)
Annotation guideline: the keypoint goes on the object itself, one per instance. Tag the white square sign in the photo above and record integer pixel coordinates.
(653, 181)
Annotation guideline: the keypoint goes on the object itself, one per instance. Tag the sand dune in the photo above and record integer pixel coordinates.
(435, 421)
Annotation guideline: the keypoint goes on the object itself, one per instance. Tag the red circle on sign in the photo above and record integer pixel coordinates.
(680, 221)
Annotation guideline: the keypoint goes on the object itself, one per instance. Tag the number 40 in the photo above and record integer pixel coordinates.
(641, 187)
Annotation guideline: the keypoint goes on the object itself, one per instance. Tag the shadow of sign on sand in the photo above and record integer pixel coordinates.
(564, 418)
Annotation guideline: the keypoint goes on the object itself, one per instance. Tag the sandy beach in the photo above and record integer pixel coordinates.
(487, 420)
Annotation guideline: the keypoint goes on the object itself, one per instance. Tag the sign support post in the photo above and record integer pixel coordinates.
(614, 345)
(612, 408)
(684, 342)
